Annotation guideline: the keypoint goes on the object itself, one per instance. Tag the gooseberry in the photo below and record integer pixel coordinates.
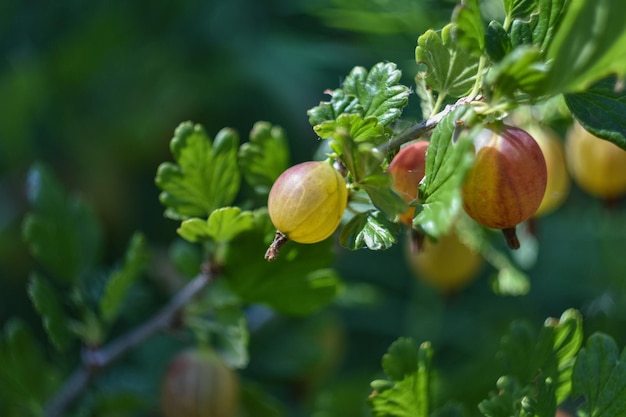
(306, 202)
(558, 184)
(198, 384)
(507, 180)
(598, 166)
(446, 264)
(407, 169)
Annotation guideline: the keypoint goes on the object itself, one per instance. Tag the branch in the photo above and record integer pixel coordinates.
(97, 359)
(420, 129)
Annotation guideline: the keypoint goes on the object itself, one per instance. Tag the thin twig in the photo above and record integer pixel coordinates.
(97, 359)
(421, 128)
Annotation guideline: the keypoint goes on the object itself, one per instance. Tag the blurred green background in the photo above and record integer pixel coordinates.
(96, 89)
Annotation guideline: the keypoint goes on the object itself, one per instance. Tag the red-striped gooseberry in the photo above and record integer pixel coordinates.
(407, 169)
(507, 180)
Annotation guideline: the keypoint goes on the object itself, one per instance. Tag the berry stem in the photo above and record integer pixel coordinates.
(274, 249)
(511, 237)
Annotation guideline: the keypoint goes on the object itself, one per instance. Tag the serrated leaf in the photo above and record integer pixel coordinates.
(408, 394)
(601, 110)
(378, 91)
(446, 164)
(451, 69)
(264, 157)
(121, 280)
(339, 103)
(548, 354)
(358, 128)
(47, 302)
(370, 229)
(600, 377)
(62, 232)
(401, 359)
(222, 225)
(468, 26)
(27, 380)
(589, 45)
(374, 93)
(538, 367)
(298, 282)
(205, 176)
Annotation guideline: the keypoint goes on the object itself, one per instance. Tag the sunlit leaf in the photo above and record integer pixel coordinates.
(407, 393)
(205, 176)
(447, 161)
(374, 93)
(601, 110)
(370, 229)
(450, 68)
(222, 225)
(264, 157)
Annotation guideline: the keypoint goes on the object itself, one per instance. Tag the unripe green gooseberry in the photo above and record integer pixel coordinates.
(307, 201)
(598, 166)
(507, 180)
(407, 169)
(198, 384)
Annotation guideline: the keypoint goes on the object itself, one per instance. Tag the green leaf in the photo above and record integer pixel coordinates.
(222, 225)
(374, 93)
(378, 91)
(519, 8)
(427, 101)
(298, 282)
(522, 70)
(47, 302)
(446, 164)
(548, 354)
(589, 45)
(451, 69)
(62, 232)
(601, 110)
(408, 392)
(371, 229)
(468, 26)
(206, 175)
(264, 157)
(548, 20)
(27, 380)
(121, 280)
(378, 187)
(600, 377)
